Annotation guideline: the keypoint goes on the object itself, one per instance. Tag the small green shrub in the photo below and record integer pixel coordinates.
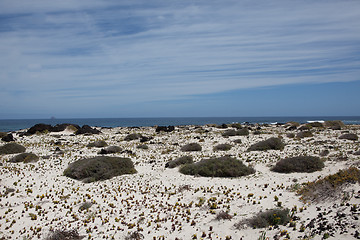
(271, 143)
(217, 167)
(349, 136)
(329, 186)
(315, 125)
(132, 136)
(98, 144)
(335, 125)
(299, 164)
(12, 148)
(179, 161)
(304, 134)
(142, 146)
(242, 132)
(24, 157)
(110, 149)
(272, 217)
(229, 133)
(191, 147)
(99, 168)
(222, 147)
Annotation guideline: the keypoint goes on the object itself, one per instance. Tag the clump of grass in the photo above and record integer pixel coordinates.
(24, 157)
(299, 164)
(349, 136)
(271, 143)
(315, 125)
(272, 217)
(179, 161)
(64, 235)
(12, 148)
(217, 167)
(329, 186)
(99, 144)
(222, 147)
(99, 168)
(191, 147)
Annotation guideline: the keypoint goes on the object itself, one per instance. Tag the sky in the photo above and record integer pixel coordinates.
(188, 58)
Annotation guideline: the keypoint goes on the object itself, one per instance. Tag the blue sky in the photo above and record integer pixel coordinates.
(136, 58)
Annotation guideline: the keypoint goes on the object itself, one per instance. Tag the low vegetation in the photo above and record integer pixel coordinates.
(179, 161)
(191, 147)
(64, 235)
(99, 168)
(98, 144)
(304, 134)
(24, 157)
(269, 144)
(132, 136)
(12, 148)
(334, 125)
(299, 164)
(272, 217)
(349, 136)
(217, 167)
(222, 147)
(329, 186)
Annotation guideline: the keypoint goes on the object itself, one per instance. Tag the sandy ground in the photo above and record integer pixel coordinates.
(161, 203)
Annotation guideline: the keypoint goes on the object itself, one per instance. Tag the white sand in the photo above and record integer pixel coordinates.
(150, 201)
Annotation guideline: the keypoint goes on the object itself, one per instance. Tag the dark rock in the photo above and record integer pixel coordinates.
(165, 129)
(2, 134)
(24, 157)
(41, 127)
(99, 168)
(291, 128)
(145, 139)
(8, 138)
(62, 127)
(86, 129)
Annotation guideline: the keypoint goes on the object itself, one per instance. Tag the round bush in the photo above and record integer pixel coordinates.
(24, 157)
(132, 136)
(349, 136)
(242, 132)
(217, 167)
(271, 143)
(191, 147)
(272, 217)
(12, 148)
(99, 144)
(304, 134)
(110, 149)
(99, 168)
(299, 164)
(179, 161)
(222, 147)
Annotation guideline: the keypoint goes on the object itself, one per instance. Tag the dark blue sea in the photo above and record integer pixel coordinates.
(7, 125)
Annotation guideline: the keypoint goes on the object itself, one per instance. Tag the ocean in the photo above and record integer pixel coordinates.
(7, 125)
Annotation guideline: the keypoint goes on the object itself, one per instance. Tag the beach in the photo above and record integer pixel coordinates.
(157, 202)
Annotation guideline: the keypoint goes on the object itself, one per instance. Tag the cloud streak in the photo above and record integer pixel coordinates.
(71, 53)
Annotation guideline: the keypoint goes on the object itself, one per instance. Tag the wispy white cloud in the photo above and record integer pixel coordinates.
(97, 52)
